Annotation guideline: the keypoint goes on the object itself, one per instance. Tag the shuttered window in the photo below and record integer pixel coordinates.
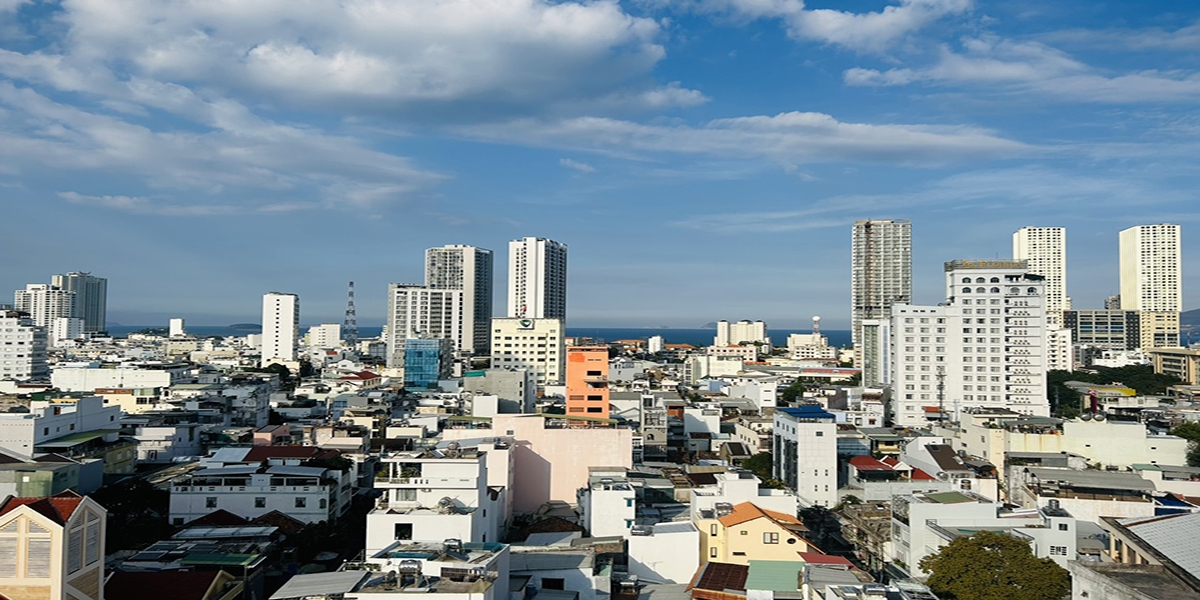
(37, 561)
(75, 551)
(8, 557)
(93, 538)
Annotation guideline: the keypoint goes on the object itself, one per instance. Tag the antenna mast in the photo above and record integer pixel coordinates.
(350, 325)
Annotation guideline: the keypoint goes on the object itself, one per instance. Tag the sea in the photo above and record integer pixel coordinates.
(695, 337)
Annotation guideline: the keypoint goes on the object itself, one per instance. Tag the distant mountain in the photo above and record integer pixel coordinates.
(712, 325)
(1190, 320)
(246, 327)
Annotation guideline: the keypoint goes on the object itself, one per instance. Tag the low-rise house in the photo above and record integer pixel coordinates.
(746, 532)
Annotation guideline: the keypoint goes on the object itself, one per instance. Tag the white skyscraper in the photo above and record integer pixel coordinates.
(466, 268)
(985, 346)
(880, 272)
(537, 279)
(415, 311)
(281, 328)
(23, 353)
(1150, 268)
(1151, 283)
(1045, 249)
(44, 303)
(91, 298)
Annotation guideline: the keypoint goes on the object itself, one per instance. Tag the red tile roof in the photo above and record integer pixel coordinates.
(867, 463)
(748, 511)
(890, 461)
(816, 558)
(922, 475)
(57, 508)
(183, 585)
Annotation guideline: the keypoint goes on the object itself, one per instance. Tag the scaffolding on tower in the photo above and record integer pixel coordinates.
(350, 324)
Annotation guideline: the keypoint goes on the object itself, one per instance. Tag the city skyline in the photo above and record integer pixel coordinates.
(676, 147)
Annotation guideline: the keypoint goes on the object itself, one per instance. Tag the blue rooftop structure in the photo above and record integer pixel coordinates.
(807, 412)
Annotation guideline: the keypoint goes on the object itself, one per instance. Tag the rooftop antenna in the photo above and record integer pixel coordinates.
(941, 388)
(350, 325)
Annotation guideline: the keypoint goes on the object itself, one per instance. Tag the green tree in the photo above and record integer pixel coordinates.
(792, 392)
(759, 464)
(1191, 433)
(994, 566)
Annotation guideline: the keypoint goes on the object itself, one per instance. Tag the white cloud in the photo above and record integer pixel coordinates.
(582, 167)
(869, 31)
(239, 154)
(787, 138)
(493, 55)
(1035, 190)
(1033, 67)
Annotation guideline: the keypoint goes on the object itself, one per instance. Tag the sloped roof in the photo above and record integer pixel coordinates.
(219, 518)
(183, 585)
(816, 558)
(57, 508)
(719, 577)
(867, 463)
(1173, 536)
(920, 475)
(748, 511)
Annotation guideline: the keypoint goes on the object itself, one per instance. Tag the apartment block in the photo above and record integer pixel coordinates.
(587, 381)
(534, 344)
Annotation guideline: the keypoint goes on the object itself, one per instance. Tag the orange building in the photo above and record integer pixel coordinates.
(587, 381)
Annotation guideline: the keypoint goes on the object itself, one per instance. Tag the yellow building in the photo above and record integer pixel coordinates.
(52, 548)
(752, 533)
(1183, 363)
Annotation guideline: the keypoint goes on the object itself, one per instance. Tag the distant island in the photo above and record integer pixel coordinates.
(245, 327)
(712, 325)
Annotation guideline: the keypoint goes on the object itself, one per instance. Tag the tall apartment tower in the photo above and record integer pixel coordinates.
(587, 381)
(416, 311)
(986, 346)
(44, 303)
(880, 272)
(466, 268)
(537, 279)
(281, 327)
(1151, 280)
(23, 355)
(1045, 250)
(91, 298)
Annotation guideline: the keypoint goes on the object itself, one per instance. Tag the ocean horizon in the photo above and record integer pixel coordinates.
(695, 337)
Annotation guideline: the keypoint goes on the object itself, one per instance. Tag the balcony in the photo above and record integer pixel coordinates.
(469, 483)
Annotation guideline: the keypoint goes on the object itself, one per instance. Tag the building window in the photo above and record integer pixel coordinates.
(1058, 550)
(210, 502)
(712, 552)
(1063, 527)
(771, 537)
(260, 502)
(301, 502)
(712, 530)
(403, 531)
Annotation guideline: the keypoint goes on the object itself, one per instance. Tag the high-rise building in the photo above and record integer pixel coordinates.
(325, 335)
(44, 303)
(537, 279)
(985, 347)
(415, 311)
(1150, 268)
(1045, 249)
(466, 268)
(23, 351)
(742, 332)
(805, 441)
(587, 381)
(281, 328)
(176, 327)
(534, 344)
(91, 298)
(1151, 280)
(880, 272)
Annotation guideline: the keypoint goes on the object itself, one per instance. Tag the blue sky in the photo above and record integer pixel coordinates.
(703, 159)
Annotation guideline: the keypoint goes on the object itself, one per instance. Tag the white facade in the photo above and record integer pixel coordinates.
(175, 328)
(537, 279)
(64, 329)
(987, 342)
(303, 493)
(874, 352)
(22, 348)
(805, 452)
(880, 271)
(534, 344)
(734, 488)
(656, 343)
(608, 505)
(72, 379)
(1151, 268)
(1060, 350)
(90, 301)
(466, 268)
(44, 303)
(325, 335)
(1045, 250)
(742, 332)
(21, 433)
(428, 497)
(416, 311)
(657, 554)
(281, 327)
